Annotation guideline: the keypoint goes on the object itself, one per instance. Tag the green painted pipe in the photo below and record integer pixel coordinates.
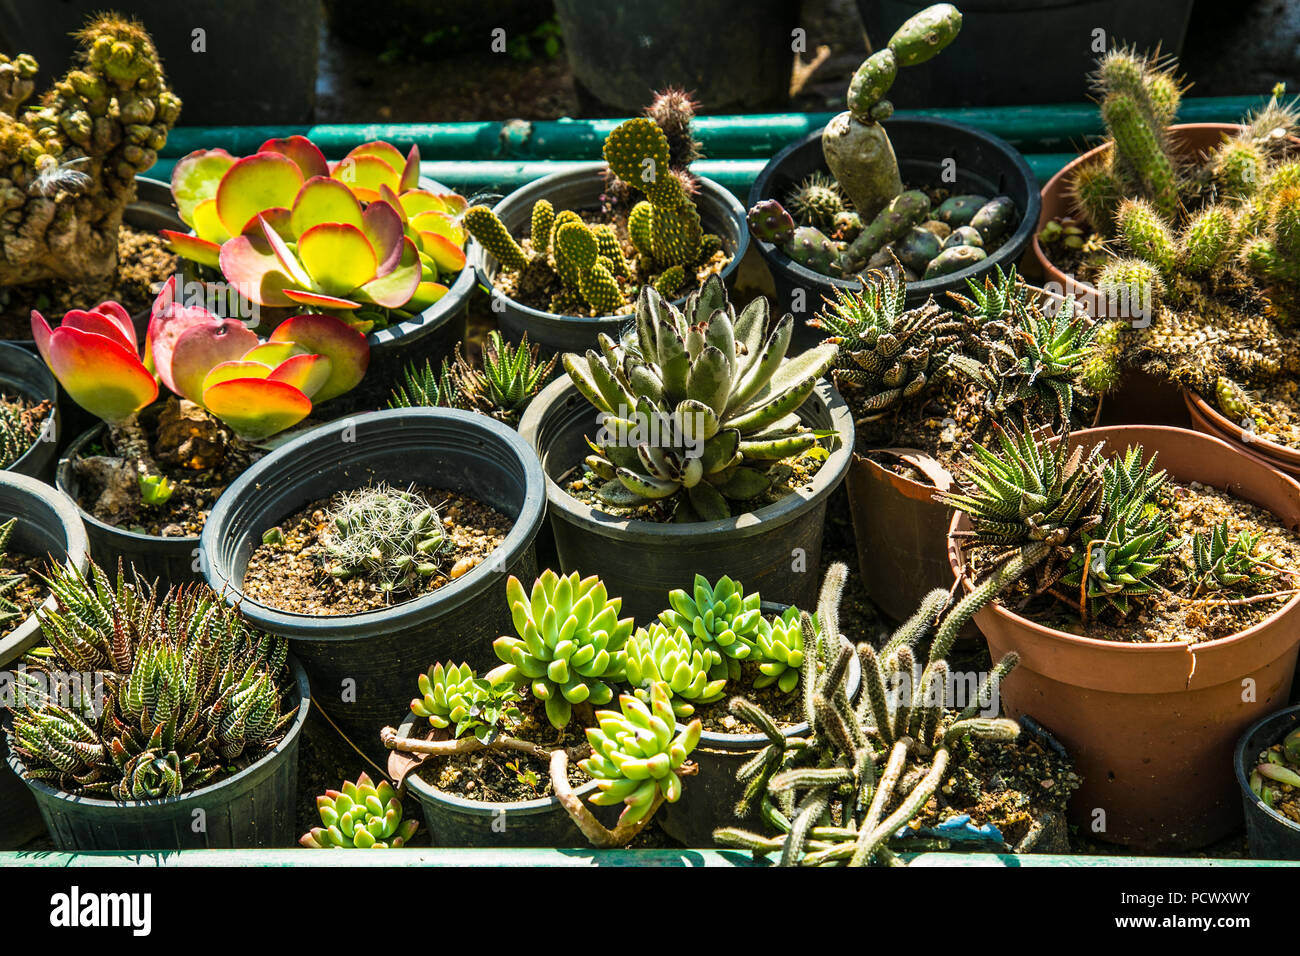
(553, 857)
(502, 176)
(1031, 128)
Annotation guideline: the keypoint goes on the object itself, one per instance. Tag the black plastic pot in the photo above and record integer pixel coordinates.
(709, 798)
(580, 189)
(364, 666)
(24, 374)
(169, 561)
(1271, 836)
(256, 807)
(455, 821)
(985, 165)
(734, 60)
(48, 523)
(775, 550)
(978, 70)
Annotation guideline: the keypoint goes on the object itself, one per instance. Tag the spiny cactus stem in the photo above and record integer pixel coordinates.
(911, 805)
(1006, 574)
(991, 681)
(599, 835)
(811, 808)
(893, 772)
(875, 695)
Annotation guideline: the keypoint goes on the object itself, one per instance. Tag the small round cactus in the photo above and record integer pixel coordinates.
(635, 757)
(391, 537)
(360, 816)
(817, 201)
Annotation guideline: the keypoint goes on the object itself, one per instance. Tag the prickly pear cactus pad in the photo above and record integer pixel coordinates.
(70, 162)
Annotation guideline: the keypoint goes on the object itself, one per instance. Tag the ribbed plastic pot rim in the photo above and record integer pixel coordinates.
(49, 392)
(418, 786)
(1025, 229)
(750, 523)
(1241, 760)
(62, 477)
(478, 257)
(78, 554)
(957, 559)
(304, 704)
(381, 620)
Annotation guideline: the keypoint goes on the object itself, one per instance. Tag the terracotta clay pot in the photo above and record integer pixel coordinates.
(1151, 727)
(1210, 421)
(1187, 139)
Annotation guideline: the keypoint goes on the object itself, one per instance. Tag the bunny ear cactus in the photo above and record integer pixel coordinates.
(635, 756)
(570, 646)
(669, 233)
(669, 656)
(695, 401)
(68, 164)
(722, 619)
(360, 816)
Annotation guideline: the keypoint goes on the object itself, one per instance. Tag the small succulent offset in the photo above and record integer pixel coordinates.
(9, 582)
(722, 620)
(669, 656)
(289, 229)
(510, 378)
(570, 647)
(697, 403)
(779, 649)
(392, 538)
(192, 693)
(1229, 561)
(256, 388)
(635, 756)
(453, 696)
(360, 816)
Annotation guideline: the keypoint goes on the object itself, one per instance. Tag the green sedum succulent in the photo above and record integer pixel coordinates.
(697, 403)
(635, 757)
(454, 696)
(779, 647)
(571, 643)
(360, 816)
(668, 656)
(723, 621)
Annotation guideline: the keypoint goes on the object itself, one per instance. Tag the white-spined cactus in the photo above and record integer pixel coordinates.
(570, 644)
(697, 404)
(668, 655)
(635, 757)
(722, 619)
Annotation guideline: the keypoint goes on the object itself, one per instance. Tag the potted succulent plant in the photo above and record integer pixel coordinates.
(1184, 233)
(71, 164)
(29, 414)
(150, 720)
(1267, 764)
(372, 542)
(362, 816)
(847, 787)
(1143, 598)
(711, 450)
(147, 476)
(871, 191)
(596, 236)
(363, 238)
(571, 654)
(37, 523)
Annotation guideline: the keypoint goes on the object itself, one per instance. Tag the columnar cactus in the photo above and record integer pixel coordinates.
(360, 816)
(393, 538)
(695, 402)
(68, 165)
(723, 620)
(637, 152)
(635, 756)
(857, 148)
(669, 655)
(570, 646)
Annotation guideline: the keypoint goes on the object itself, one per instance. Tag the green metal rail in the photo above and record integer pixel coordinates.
(501, 156)
(550, 857)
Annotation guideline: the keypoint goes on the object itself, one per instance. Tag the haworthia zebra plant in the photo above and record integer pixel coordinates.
(191, 693)
(697, 404)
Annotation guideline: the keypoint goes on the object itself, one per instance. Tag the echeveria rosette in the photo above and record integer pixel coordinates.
(635, 757)
(256, 388)
(779, 649)
(385, 241)
(668, 656)
(363, 816)
(721, 618)
(570, 645)
(455, 697)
